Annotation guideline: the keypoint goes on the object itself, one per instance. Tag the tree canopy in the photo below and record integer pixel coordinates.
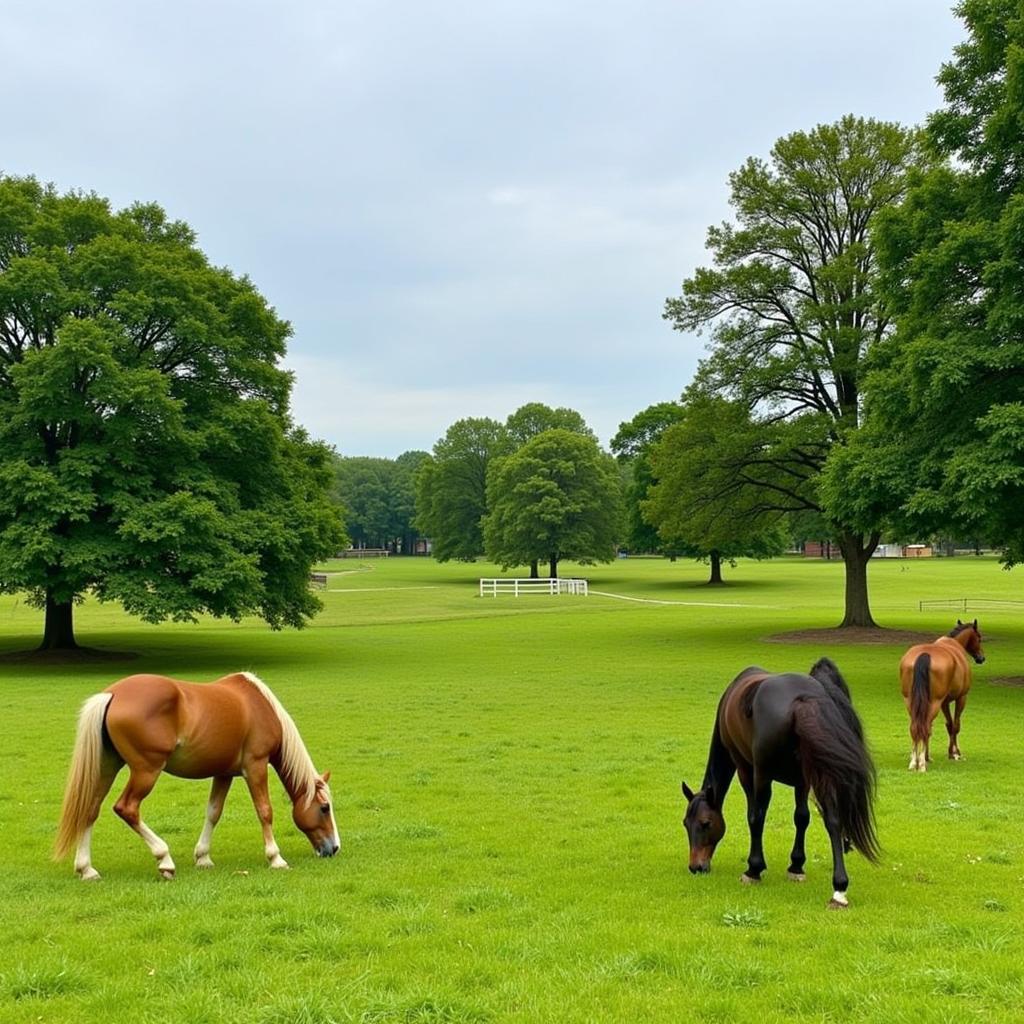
(558, 496)
(945, 398)
(451, 488)
(379, 499)
(146, 450)
(697, 501)
(632, 445)
(793, 306)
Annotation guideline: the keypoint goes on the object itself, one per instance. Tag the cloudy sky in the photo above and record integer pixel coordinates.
(460, 205)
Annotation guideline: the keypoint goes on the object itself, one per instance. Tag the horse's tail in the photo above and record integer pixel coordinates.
(838, 768)
(83, 775)
(920, 696)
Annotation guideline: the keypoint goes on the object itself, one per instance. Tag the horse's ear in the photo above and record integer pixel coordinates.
(975, 625)
(711, 796)
(326, 775)
(958, 622)
(687, 792)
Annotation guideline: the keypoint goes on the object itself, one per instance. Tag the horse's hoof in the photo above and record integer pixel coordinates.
(796, 876)
(279, 864)
(747, 880)
(838, 901)
(167, 874)
(89, 875)
(204, 862)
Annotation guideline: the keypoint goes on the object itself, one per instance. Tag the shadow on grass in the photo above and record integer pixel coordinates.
(110, 654)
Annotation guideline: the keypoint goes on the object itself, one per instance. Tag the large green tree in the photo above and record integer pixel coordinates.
(793, 306)
(946, 400)
(697, 502)
(558, 496)
(451, 488)
(146, 450)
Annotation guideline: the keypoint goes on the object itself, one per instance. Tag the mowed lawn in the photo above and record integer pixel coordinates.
(506, 777)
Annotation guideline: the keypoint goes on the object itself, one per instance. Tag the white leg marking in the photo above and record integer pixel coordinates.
(840, 899)
(159, 849)
(274, 857)
(83, 858)
(202, 851)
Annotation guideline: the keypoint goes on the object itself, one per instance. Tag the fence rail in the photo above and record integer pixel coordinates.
(963, 603)
(364, 553)
(517, 586)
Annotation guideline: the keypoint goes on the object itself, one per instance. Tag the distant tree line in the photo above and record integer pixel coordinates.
(377, 497)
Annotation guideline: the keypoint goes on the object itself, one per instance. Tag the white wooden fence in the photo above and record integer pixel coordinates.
(517, 586)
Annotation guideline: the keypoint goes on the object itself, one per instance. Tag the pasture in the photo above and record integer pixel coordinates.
(506, 778)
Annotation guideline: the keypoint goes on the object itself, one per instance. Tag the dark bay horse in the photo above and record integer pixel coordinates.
(234, 726)
(933, 676)
(801, 731)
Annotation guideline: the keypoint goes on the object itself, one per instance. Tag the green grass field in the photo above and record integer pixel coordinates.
(506, 776)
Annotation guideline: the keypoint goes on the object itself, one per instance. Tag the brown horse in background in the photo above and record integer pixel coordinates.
(933, 676)
(234, 726)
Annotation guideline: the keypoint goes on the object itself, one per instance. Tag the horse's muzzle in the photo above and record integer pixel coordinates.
(979, 660)
(328, 848)
(700, 869)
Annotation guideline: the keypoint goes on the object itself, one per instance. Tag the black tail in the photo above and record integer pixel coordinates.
(827, 673)
(825, 670)
(921, 696)
(838, 767)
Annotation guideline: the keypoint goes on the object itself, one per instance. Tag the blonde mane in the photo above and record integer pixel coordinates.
(296, 764)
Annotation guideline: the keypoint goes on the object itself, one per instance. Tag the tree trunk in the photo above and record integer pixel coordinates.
(59, 630)
(856, 555)
(534, 570)
(716, 567)
(554, 566)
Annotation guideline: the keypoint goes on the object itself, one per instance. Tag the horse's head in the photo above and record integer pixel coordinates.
(316, 818)
(704, 826)
(970, 636)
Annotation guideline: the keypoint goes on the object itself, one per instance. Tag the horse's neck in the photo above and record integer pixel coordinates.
(296, 786)
(720, 768)
(960, 640)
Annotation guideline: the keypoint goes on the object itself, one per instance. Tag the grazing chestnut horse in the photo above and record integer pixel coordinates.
(801, 731)
(234, 726)
(933, 676)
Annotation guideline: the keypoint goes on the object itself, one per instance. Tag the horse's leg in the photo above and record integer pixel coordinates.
(256, 779)
(933, 711)
(840, 881)
(916, 743)
(759, 795)
(916, 749)
(127, 808)
(954, 728)
(801, 819)
(214, 808)
(109, 767)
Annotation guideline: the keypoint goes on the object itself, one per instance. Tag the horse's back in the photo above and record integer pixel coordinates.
(949, 669)
(195, 730)
(742, 710)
